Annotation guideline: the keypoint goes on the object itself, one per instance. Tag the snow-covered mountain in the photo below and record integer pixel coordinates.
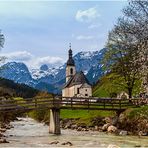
(17, 72)
(52, 79)
(43, 71)
(96, 70)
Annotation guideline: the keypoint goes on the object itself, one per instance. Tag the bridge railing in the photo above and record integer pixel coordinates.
(67, 103)
(92, 103)
(24, 104)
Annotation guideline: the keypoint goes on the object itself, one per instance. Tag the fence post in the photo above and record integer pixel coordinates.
(120, 103)
(53, 102)
(71, 102)
(35, 102)
(112, 102)
(104, 103)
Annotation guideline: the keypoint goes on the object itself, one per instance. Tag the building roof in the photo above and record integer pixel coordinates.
(78, 78)
(85, 85)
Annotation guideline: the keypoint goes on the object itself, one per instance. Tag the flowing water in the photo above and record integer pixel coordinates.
(29, 133)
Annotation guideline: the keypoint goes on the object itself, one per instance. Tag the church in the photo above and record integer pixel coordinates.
(76, 84)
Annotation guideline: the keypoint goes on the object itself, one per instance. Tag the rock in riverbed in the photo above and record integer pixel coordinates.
(54, 142)
(105, 126)
(1, 135)
(2, 130)
(141, 133)
(79, 129)
(123, 133)
(67, 143)
(112, 129)
(3, 141)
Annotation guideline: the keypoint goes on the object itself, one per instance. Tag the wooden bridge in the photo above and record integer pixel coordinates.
(57, 103)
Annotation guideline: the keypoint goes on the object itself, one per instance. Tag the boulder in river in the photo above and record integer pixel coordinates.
(141, 133)
(123, 133)
(79, 129)
(54, 142)
(2, 130)
(3, 141)
(74, 126)
(112, 129)
(1, 135)
(9, 126)
(67, 143)
(105, 126)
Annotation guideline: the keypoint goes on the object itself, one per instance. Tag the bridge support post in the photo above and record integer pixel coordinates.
(54, 126)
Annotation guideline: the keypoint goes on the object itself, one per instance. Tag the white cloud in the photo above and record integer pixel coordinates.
(82, 37)
(32, 61)
(92, 26)
(50, 61)
(18, 56)
(88, 15)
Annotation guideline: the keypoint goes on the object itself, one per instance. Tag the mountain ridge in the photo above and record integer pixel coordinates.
(52, 79)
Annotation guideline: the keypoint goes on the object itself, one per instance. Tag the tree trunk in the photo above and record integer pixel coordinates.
(130, 92)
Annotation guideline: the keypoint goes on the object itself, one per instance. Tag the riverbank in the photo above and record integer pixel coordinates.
(5, 119)
(130, 122)
(133, 121)
(3, 128)
(30, 133)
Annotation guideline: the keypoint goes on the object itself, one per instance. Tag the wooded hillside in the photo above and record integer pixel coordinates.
(9, 88)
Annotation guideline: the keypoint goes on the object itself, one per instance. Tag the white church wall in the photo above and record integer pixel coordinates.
(86, 92)
(73, 91)
(65, 92)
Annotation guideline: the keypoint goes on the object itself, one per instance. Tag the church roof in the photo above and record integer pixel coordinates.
(78, 78)
(85, 85)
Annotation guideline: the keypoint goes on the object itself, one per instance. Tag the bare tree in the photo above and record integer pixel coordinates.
(2, 40)
(128, 44)
(136, 14)
(122, 57)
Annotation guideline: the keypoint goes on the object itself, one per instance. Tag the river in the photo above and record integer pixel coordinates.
(29, 133)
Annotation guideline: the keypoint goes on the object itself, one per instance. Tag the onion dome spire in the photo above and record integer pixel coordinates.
(70, 61)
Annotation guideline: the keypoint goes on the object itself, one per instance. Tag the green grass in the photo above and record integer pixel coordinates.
(100, 92)
(141, 112)
(84, 116)
(84, 113)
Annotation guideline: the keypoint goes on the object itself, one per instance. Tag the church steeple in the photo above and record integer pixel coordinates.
(70, 68)
(70, 61)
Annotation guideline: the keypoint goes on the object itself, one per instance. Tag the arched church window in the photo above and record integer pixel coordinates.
(71, 71)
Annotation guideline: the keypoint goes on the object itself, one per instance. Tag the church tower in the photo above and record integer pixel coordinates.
(70, 67)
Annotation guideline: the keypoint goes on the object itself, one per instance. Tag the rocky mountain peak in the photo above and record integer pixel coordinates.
(44, 67)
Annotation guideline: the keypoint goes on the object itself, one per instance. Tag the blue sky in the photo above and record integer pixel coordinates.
(39, 32)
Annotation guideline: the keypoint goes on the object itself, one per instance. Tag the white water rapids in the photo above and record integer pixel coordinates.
(29, 133)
